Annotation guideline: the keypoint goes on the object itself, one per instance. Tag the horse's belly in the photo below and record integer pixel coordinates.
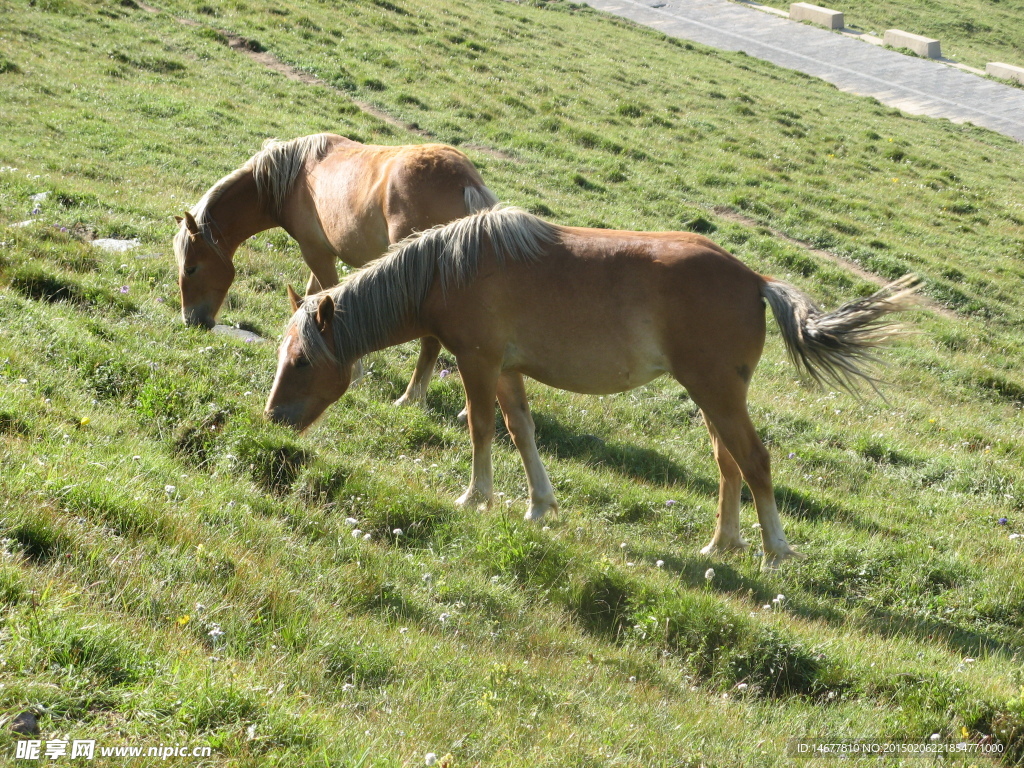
(577, 371)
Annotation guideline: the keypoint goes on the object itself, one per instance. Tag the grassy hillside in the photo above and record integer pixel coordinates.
(974, 32)
(175, 571)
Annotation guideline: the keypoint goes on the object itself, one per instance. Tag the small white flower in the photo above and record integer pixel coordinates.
(427, 578)
(444, 617)
(367, 536)
(347, 687)
(170, 490)
(403, 630)
(632, 678)
(430, 758)
(622, 545)
(709, 574)
(660, 564)
(356, 533)
(352, 521)
(741, 687)
(398, 532)
(935, 736)
(495, 579)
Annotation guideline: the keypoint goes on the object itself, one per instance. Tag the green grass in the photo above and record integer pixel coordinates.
(176, 571)
(974, 32)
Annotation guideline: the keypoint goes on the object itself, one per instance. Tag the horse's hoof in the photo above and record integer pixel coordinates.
(721, 547)
(473, 500)
(536, 512)
(774, 560)
(406, 401)
(463, 417)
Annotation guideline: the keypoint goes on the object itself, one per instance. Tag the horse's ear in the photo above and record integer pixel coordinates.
(294, 299)
(325, 313)
(178, 220)
(191, 223)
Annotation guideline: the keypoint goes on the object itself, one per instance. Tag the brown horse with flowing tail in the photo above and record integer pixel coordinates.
(586, 310)
(339, 199)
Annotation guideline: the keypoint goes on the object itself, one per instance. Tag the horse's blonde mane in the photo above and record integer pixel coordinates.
(374, 301)
(274, 168)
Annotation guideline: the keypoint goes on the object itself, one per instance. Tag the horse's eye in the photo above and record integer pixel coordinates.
(301, 362)
(189, 271)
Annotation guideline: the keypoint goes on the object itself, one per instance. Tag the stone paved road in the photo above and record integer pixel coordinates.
(917, 86)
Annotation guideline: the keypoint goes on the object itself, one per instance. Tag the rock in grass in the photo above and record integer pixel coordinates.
(113, 245)
(238, 333)
(25, 724)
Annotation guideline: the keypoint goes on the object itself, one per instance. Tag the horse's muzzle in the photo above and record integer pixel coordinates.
(198, 318)
(287, 417)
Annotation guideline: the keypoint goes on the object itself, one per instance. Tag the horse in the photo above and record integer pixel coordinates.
(339, 199)
(592, 311)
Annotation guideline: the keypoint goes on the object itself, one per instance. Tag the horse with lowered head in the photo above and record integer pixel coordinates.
(339, 199)
(586, 310)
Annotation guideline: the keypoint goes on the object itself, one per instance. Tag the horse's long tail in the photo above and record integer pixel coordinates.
(837, 347)
(479, 198)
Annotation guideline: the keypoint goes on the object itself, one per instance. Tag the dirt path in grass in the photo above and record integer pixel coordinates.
(271, 62)
(850, 266)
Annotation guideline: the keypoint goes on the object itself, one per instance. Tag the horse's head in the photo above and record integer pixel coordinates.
(306, 383)
(205, 273)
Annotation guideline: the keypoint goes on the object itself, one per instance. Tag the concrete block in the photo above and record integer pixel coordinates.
(816, 15)
(919, 44)
(1005, 71)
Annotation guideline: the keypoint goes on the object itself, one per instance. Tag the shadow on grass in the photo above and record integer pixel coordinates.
(804, 507)
(880, 621)
(628, 460)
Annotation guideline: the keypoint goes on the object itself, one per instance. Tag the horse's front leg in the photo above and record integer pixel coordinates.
(416, 392)
(519, 421)
(323, 271)
(481, 381)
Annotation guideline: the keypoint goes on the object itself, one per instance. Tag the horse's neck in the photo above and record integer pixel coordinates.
(237, 214)
(368, 329)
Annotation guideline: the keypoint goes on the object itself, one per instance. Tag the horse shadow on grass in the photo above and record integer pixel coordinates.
(804, 507)
(628, 460)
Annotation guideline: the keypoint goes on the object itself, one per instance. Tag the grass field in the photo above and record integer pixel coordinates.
(177, 571)
(974, 32)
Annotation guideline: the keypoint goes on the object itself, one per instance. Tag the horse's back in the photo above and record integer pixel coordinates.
(605, 311)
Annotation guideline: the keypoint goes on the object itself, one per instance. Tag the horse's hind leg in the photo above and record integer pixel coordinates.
(727, 522)
(724, 403)
(416, 392)
(516, 410)
(741, 440)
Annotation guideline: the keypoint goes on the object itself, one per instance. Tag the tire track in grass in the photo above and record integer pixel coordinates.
(258, 54)
(850, 266)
